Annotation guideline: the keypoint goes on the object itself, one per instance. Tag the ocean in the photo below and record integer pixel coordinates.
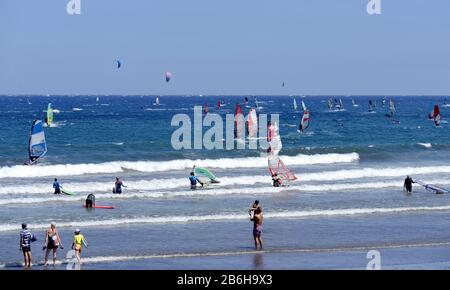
(348, 198)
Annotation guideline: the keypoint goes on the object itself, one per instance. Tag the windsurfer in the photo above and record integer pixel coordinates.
(193, 179)
(276, 180)
(407, 186)
(57, 186)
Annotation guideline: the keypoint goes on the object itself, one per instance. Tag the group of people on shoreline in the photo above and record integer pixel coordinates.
(52, 241)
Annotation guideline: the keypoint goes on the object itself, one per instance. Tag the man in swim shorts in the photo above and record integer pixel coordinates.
(257, 227)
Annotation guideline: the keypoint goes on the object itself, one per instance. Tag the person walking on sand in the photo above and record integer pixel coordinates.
(26, 238)
(52, 242)
(78, 242)
(257, 227)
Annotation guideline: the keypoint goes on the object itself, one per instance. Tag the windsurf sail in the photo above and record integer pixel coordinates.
(295, 105)
(276, 165)
(98, 99)
(252, 124)
(354, 103)
(239, 122)
(157, 101)
(118, 63)
(256, 102)
(246, 101)
(383, 101)
(371, 106)
(341, 105)
(391, 108)
(304, 106)
(330, 104)
(49, 114)
(218, 104)
(277, 168)
(204, 172)
(206, 109)
(437, 115)
(432, 188)
(37, 147)
(274, 139)
(304, 124)
(168, 76)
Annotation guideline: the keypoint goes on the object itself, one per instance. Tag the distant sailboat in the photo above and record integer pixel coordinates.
(383, 101)
(97, 100)
(218, 104)
(49, 119)
(354, 104)
(436, 115)
(252, 124)
(304, 123)
(239, 122)
(295, 105)
(330, 104)
(256, 102)
(391, 113)
(157, 102)
(338, 104)
(304, 106)
(28, 100)
(37, 147)
(371, 106)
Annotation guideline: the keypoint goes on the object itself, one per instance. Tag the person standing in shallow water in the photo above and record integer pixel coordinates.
(25, 245)
(57, 186)
(51, 243)
(257, 227)
(118, 186)
(407, 185)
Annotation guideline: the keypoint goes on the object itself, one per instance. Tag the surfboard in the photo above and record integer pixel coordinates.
(67, 192)
(101, 206)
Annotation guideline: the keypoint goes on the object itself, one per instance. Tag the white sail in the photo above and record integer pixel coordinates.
(304, 106)
(391, 108)
(295, 105)
(252, 124)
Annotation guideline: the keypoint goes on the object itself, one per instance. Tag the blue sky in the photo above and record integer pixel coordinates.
(316, 47)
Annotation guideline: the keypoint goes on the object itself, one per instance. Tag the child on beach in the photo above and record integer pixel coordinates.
(78, 242)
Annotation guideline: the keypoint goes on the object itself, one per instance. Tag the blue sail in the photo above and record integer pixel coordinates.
(37, 147)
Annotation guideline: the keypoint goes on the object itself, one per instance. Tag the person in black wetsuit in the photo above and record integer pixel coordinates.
(90, 201)
(407, 186)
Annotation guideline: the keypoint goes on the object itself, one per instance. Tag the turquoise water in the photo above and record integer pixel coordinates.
(350, 164)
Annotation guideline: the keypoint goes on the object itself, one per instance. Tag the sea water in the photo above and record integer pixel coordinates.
(347, 201)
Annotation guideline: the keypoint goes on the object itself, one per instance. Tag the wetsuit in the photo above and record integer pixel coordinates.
(408, 184)
(90, 200)
(118, 187)
(57, 187)
(193, 180)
